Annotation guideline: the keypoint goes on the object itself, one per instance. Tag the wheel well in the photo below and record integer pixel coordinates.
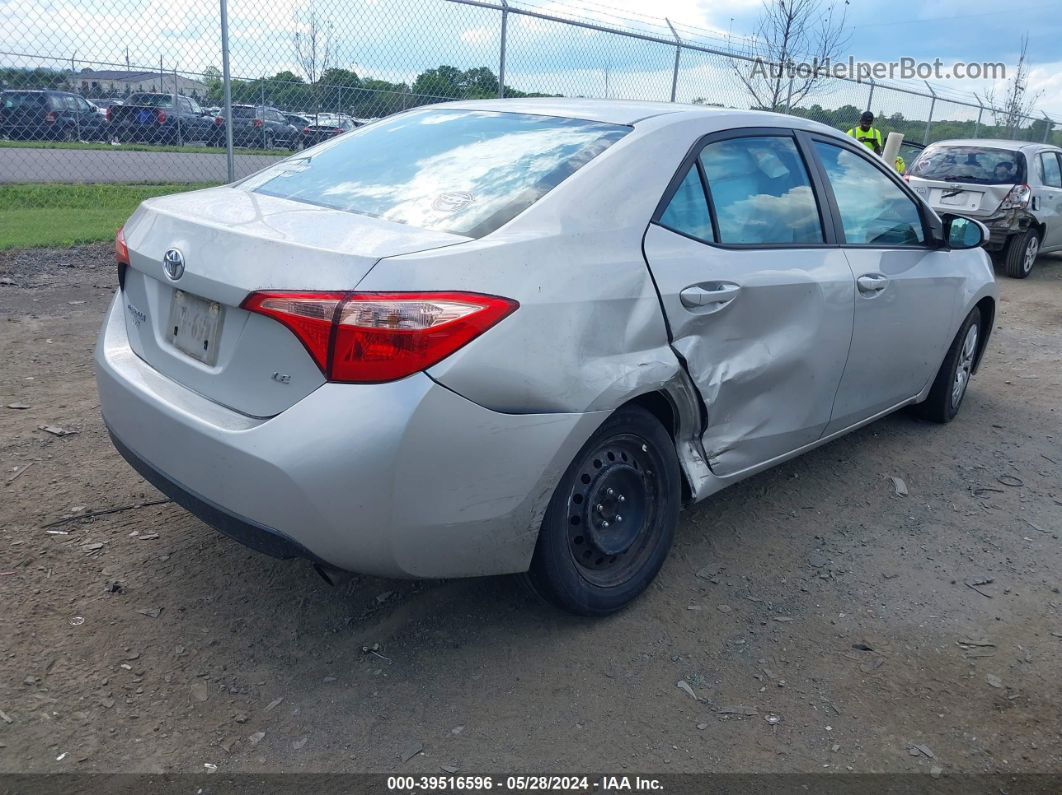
(987, 308)
(660, 405)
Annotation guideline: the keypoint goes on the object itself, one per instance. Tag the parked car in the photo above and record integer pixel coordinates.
(519, 335)
(297, 121)
(257, 126)
(155, 118)
(1013, 187)
(326, 126)
(49, 116)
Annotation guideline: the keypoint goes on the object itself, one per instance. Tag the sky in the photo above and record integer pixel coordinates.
(395, 39)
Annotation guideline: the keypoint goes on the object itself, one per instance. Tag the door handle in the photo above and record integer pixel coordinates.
(709, 295)
(872, 283)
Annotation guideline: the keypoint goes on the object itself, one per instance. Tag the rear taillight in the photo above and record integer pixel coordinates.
(121, 255)
(305, 130)
(107, 114)
(257, 122)
(1017, 199)
(51, 117)
(160, 115)
(377, 337)
(121, 250)
(218, 121)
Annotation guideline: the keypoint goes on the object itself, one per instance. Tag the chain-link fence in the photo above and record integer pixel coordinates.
(140, 91)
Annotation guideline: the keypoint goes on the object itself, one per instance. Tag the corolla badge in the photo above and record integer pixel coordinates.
(173, 263)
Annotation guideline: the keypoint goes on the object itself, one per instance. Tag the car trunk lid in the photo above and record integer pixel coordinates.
(187, 323)
(961, 197)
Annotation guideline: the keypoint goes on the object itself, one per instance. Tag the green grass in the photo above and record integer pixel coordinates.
(204, 150)
(64, 215)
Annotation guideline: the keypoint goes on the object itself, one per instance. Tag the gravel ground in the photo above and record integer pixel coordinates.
(809, 619)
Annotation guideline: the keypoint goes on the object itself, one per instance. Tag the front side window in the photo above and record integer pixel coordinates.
(687, 212)
(460, 171)
(761, 192)
(874, 210)
(1050, 170)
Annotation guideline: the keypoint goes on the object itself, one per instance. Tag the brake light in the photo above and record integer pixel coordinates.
(107, 114)
(1017, 199)
(51, 117)
(160, 115)
(376, 337)
(305, 130)
(121, 250)
(218, 121)
(257, 122)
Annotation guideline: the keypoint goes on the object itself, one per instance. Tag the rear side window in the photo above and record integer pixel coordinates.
(687, 212)
(24, 101)
(874, 210)
(459, 171)
(761, 192)
(1050, 171)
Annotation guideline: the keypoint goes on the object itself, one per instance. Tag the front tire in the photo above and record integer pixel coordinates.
(1020, 254)
(953, 378)
(612, 517)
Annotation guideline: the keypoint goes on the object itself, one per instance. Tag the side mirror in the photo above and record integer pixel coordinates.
(962, 232)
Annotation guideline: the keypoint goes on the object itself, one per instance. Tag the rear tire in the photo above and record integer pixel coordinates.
(953, 378)
(1020, 254)
(612, 517)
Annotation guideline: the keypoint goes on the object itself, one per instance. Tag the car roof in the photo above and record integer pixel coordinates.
(994, 143)
(631, 112)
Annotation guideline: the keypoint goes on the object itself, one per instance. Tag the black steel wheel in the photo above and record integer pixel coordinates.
(612, 517)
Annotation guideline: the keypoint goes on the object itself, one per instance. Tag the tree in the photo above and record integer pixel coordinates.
(794, 42)
(313, 41)
(1016, 101)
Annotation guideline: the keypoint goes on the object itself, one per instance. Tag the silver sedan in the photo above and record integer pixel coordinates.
(520, 335)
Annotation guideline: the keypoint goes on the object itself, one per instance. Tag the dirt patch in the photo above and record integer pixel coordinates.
(820, 621)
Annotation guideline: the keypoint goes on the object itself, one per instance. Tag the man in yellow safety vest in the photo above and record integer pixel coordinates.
(870, 136)
(867, 134)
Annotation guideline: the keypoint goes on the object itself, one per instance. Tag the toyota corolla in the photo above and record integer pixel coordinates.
(520, 335)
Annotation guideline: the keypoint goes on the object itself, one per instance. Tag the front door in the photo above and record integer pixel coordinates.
(1047, 199)
(758, 306)
(906, 296)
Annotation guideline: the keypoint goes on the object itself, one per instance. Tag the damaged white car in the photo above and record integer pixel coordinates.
(518, 335)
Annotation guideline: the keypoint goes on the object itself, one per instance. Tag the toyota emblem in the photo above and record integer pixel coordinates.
(173, 263)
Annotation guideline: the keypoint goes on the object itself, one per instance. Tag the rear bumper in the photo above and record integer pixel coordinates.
(403, 479)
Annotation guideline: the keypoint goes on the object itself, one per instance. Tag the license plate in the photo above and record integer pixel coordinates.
(964, 199)
(194, 326)
(144, 116)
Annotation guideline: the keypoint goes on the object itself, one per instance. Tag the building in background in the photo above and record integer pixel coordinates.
(94, 83)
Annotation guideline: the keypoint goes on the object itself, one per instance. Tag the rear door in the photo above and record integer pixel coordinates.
(906, 296)
(1047, 198)
(758, 303)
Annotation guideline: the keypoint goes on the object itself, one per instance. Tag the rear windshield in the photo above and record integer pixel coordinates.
(982, 165)
(151, 100)
(459, 171)
(244, 112)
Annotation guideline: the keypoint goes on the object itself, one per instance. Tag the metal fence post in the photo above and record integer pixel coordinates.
(501, 53)
(929, 121)
(678, 53)
(1048, 125)
(980, 113)
(870, 96)
(789, 96)
(177, 107)
(226, 80)
(261, 101)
